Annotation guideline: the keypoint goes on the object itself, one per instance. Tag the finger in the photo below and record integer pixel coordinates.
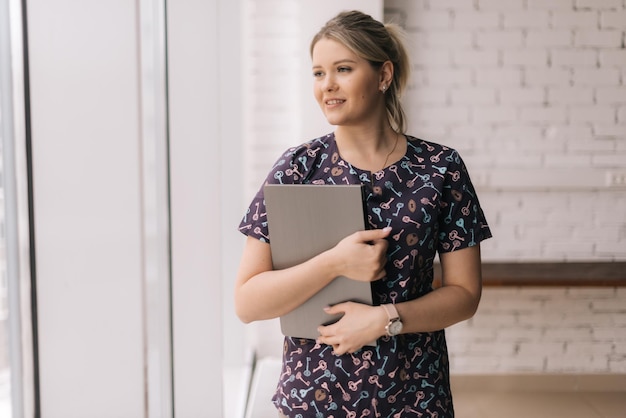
(326, 330)
(337, 350)
(372, 235)
(382, 242)
(328, 340)
(340, 349)
(323, 331)
(335, 309)
(381, 246)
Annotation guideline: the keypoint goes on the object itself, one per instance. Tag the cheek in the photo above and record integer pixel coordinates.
(368, 99)
(368, 94)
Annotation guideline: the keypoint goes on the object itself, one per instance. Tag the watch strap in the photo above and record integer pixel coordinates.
(391, 310)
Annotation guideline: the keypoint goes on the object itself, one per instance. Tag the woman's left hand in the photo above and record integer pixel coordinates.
(359, 325)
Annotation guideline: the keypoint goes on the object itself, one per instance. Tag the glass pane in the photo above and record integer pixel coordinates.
(11, 365)
(5, 369)
(5, 376)
(159, 391)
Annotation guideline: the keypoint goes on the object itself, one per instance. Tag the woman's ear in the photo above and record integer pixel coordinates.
(386, 73)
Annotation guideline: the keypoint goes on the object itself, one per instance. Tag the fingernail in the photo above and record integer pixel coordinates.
(387, 229)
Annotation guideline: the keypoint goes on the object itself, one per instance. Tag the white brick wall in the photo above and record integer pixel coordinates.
(271, 75)
(533, 95)
(533, 330)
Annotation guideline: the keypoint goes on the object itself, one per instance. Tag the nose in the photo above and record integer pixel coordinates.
(329, 84)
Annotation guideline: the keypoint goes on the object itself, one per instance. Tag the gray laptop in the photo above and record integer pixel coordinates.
(305, 220)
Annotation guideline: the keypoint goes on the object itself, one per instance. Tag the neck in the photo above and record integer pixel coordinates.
(365, 140)
(370, 149)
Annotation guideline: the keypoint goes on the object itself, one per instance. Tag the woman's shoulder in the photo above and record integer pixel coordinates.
(298, 162)
(430, 151)
(310, 148)
(427, 146)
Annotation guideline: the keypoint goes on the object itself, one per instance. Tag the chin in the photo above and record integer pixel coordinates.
(333, 120)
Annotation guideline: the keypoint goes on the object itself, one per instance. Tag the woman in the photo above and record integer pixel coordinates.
(420, 202)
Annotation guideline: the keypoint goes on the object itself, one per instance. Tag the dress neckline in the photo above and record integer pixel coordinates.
(370, 172)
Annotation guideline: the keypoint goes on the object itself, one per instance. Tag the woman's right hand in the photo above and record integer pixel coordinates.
(362, 256)
(264, 293)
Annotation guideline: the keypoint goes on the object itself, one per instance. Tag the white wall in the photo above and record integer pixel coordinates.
(543, 330)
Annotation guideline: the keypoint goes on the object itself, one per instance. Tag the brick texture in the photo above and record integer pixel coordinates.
(542, 330)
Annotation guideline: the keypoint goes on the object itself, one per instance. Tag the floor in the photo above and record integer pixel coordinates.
(470, 404)
(491, 402)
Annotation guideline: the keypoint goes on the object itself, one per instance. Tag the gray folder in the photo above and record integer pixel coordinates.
(304, 220)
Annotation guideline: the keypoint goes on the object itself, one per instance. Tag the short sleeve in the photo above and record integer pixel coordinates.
(462, 222)
(290, 168)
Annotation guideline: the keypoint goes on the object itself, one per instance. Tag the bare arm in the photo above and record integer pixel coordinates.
(264, 293)
(455, 301)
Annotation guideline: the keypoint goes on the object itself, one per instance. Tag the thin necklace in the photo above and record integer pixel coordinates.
(395, 144)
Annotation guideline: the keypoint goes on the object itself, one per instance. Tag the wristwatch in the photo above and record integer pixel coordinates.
(394, 327)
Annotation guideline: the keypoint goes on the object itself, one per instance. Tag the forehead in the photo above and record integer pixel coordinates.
(328, 50)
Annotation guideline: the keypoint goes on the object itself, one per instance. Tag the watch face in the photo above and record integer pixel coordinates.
(395, 328)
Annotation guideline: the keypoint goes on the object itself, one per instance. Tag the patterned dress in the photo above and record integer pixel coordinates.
(428, 200)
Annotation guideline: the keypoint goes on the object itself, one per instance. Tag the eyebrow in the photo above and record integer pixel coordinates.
(338, 62)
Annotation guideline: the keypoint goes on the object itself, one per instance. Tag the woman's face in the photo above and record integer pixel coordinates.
(346, 87)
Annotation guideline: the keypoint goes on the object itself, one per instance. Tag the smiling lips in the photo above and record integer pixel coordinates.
(332, 102)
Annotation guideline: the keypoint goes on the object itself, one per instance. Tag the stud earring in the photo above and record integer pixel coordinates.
(384, 87)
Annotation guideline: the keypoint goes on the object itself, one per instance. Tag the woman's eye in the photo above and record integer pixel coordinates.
(317, 74)
(344, 69)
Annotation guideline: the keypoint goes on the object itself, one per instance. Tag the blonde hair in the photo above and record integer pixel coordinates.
(377, 43)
